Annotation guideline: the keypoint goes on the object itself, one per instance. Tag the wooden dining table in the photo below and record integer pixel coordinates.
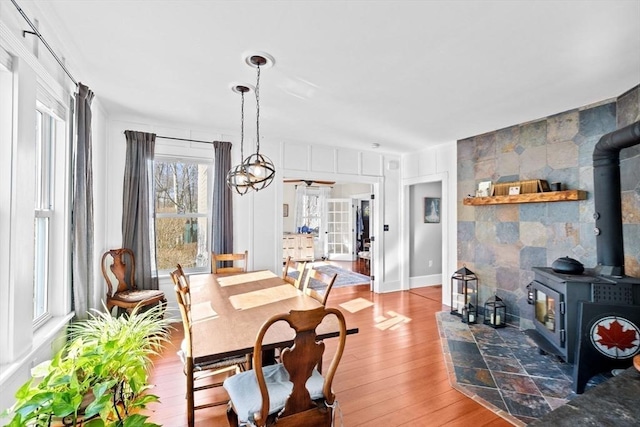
(228, 311)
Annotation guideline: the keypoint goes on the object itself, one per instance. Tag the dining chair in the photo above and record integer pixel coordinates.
(196, 372)
(298, 266)
(291, 393)
(318, 284)
(118, 268)
(229, 263)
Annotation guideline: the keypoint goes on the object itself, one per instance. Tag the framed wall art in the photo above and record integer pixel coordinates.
(431, 209)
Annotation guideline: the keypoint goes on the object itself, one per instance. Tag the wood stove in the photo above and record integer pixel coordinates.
(593, 319)
(556, 298)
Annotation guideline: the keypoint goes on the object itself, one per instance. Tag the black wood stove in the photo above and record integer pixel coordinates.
(591, 317)
(557, 297)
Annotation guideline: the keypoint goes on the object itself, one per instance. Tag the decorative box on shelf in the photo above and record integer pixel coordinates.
(522, 187)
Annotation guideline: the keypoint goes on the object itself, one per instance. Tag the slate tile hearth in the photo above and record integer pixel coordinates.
(503, 370)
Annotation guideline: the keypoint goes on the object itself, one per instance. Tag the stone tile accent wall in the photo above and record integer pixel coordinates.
(500, 243)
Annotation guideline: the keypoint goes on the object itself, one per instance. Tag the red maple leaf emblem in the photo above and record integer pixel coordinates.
(614, 336)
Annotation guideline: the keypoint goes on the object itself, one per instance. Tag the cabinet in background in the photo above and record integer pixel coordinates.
(298, 246)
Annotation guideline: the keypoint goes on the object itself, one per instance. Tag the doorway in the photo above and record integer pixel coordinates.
(344, 229)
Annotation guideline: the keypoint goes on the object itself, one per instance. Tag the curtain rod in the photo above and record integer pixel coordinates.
(184, 139)
(37, 33)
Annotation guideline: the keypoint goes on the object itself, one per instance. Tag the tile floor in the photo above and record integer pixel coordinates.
(503, 370)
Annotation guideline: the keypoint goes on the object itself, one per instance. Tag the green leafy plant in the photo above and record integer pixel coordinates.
(99, 378)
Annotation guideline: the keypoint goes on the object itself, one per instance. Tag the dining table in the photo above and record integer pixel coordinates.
(228, 310)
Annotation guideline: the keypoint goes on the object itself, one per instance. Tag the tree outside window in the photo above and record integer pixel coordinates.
(182, 213)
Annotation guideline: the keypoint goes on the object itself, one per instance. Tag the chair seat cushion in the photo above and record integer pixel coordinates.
(245, 395)
(137, 295)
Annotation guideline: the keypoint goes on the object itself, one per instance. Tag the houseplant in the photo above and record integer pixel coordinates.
(99, 378)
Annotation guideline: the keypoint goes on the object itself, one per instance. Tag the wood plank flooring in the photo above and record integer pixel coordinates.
(387, 377)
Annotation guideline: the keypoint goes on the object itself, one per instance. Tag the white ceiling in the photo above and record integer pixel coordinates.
(403, 74)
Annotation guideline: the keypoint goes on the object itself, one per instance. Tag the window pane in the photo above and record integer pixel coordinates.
(182, 213)
(181, 240)
(180, 187)
(41, 267)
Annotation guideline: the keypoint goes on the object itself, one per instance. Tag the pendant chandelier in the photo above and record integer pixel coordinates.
(238, 178)
(259, 169)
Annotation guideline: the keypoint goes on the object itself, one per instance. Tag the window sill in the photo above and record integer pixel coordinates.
(43, 336)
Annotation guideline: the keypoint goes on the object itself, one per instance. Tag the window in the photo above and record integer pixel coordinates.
(46, 127)
(311, 211)
(183, 221)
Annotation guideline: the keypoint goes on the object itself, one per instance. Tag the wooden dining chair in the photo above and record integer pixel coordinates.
(298, 266)
(229, 263)
(318, 285)
(197, 373)
(118, 269)
(291, 393)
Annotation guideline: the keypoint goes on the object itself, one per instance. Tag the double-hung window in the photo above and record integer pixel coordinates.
(182, 190)
(47, 129)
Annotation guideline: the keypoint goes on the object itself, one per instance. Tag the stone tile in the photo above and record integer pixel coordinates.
(504, 369)
(598, 120)
(495, 350)
(525, 405)
(551, 387)
(490, 395)
(474, 376)
(531, 256)
(508, 232)
(563, 127)
(516, 383)
(504, 364)
(533, 134)
(563, 155)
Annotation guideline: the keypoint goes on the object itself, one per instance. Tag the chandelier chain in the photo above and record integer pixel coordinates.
(258, 111)
(242, 128)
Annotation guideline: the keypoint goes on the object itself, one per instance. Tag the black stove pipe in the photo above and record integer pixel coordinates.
(608, 200)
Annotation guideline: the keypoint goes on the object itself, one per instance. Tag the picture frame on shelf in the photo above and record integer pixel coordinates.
(514, 191)
(484, 189)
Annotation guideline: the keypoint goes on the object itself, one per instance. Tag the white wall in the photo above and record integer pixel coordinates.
(425, 239)
(30, 69)
(258, 221)
(436, 164)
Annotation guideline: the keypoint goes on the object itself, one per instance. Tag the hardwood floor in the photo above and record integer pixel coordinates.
(387, 377)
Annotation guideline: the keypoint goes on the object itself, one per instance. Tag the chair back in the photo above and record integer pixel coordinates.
(299, 266)
(183, 296)
(318, 285)
(300, 360)
(229, 263)
(118, 269)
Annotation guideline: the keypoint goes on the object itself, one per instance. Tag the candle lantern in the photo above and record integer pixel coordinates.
(464, 290)
(469, 313)
(495, 312)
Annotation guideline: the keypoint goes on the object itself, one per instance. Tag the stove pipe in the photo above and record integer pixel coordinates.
(608, 200)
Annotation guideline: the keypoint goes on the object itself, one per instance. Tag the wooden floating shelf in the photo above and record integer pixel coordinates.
(549, 196)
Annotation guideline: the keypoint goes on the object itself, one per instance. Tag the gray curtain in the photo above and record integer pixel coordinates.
(138, 224)
(82, 209)
(222, 229)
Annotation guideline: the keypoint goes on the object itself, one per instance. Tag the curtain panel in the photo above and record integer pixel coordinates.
(83, 291)
(138, 218)
(222, 215)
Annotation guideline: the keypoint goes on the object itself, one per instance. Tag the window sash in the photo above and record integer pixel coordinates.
(193, 259)
(46, 125)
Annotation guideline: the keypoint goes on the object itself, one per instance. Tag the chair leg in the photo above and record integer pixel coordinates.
(190, 397)
(232, 417)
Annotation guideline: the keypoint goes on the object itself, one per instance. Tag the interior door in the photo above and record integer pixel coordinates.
(340, 242)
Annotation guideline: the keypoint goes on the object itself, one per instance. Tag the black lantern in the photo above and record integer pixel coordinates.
(464, 292)
(469, 313)
(495, 312)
